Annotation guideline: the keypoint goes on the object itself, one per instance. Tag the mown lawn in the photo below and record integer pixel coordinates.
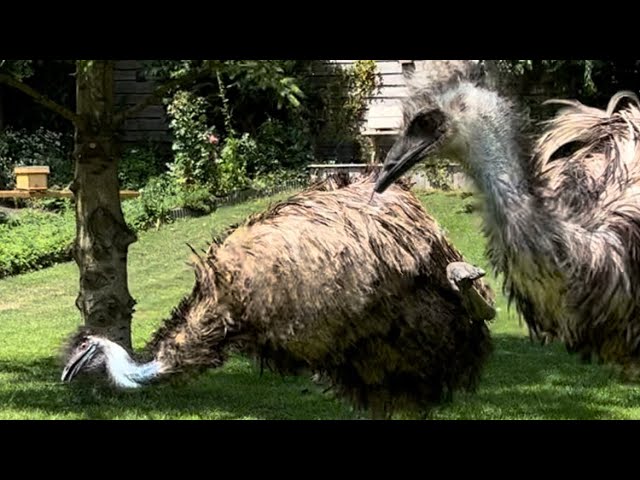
(37, 312)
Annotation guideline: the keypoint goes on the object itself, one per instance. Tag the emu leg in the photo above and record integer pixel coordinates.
(461, 276)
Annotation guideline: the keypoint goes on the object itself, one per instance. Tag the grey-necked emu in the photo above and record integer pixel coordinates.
(561, 216)
(367, 295)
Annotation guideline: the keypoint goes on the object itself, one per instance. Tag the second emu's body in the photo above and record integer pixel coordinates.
(330, 282)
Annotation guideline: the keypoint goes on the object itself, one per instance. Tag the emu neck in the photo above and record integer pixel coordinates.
(125, 371)
(514, 218)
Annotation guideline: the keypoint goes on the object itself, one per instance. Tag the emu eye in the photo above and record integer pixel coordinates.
(427, 123)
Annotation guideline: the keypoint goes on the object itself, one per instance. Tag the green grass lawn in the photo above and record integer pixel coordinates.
(37, 312)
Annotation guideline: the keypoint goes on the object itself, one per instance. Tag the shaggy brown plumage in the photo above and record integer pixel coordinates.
(330, 282)
(562, 219)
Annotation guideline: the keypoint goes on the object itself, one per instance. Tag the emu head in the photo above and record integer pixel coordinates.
(90, 353)
(458, 120)
(83, 354)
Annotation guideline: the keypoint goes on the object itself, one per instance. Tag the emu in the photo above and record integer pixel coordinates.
(561, 216)
(366, 295)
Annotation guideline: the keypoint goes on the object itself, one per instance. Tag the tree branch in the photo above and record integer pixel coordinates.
(156, 95)
(40, 98)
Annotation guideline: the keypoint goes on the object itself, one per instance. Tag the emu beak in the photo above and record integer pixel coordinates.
(404, 154)
(79, 360)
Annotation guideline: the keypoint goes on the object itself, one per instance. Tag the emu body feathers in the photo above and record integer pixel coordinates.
(335, 282)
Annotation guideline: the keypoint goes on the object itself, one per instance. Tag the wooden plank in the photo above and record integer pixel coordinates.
(123, 87)
(145, 124)
(154, 111)
(392, 92)
(130, 75)
(129, 99)
(388, 66)
(387, 132)
(150, 135)
(15, 194)
(55, 194)
(127, 65)
(393, 79)
(386, 109)
(383, 122)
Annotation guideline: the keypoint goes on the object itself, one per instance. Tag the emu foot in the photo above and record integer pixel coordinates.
(461, 276)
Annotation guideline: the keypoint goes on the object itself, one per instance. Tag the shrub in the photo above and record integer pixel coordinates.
(280, 146)
(155, 203)
(35, 239)
(138, 164)
(272, 182)
(194, 146)
(55, 205)
(236, 153)
(197, 199)
(160, 197)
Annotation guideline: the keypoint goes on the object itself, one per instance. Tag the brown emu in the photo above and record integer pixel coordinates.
(562, 218)
(368, 295)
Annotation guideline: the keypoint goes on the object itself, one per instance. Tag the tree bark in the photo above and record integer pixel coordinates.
(102, 236)
(1, 108)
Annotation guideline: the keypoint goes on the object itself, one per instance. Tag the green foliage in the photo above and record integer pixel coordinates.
(280, 146)
(197, 199)
(17, 68)
(40, 147)
(363, 81)
(236, 153)
(35, 239)
(275, 180)
(56, 205)
(438, 176)
(194, 146)
(157, 199)
(591, 81)
(160, 197)
(265, 76)
(341, 99)
(138, 164)
(288, 107)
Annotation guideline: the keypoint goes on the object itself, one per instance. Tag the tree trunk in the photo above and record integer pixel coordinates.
(1, 109)
(102, 236)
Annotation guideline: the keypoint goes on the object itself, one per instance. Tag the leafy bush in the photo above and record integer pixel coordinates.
(280, 146)
(236, 153)
(268, 183)
(160, 197)
(155, 203)
(194, 142)
(289, 108)
(197, 199)
(138, 165)
(35, 239)
(40, 147)
(50, 204)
